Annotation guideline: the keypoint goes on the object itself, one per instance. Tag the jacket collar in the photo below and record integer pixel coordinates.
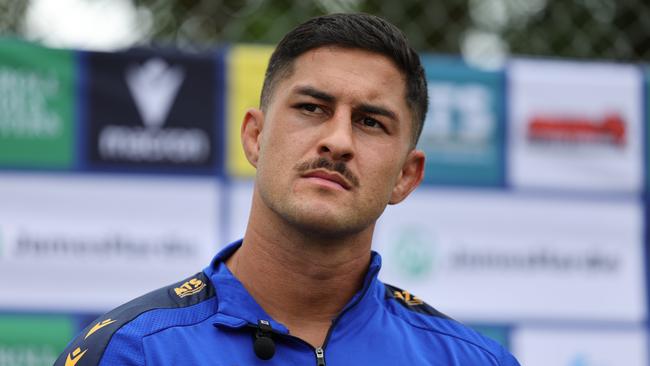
(237, 308)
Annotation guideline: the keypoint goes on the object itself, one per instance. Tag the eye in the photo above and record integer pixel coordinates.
(309, 107)
(370, 122)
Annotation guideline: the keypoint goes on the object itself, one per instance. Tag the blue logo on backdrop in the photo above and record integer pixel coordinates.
(581, 359)
(463, 131)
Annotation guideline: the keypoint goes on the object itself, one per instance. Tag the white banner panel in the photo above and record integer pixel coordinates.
(586, 347)
(575, 126)
(89, 243)
(240, 196)
(493, 256)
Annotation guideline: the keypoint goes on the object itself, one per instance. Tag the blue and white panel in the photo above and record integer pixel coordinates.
(587, 346)
(502, 257)
(89, 243)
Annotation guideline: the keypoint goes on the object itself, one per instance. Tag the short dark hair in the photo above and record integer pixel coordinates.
(356, 31)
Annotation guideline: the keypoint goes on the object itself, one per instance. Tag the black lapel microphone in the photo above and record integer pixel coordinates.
(263, 344)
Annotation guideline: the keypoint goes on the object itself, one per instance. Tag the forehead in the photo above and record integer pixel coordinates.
(350, 73)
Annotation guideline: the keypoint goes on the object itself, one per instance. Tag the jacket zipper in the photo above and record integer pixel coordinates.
(320, 357)
(320, 351)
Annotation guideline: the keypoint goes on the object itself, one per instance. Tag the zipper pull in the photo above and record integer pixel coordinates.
(320, 357)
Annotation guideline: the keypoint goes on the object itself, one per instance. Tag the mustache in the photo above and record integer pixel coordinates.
(324, 163)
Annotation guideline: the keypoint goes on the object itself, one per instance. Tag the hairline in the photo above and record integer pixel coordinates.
(286, 71)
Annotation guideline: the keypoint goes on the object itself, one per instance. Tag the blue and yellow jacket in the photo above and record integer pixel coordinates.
(210, 319)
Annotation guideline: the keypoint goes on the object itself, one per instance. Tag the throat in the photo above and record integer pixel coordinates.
(314, 333)
(304, 294)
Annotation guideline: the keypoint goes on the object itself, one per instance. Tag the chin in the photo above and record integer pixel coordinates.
(326, 222)
(319, 215)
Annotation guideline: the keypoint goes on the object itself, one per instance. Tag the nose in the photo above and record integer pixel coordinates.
(337, 140)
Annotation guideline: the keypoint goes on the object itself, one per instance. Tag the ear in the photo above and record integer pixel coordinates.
(410, 176)
(251, 130)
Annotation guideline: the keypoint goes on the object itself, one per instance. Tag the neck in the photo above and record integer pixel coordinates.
(300, 280)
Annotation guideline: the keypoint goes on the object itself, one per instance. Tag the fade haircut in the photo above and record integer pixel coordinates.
(354, 31)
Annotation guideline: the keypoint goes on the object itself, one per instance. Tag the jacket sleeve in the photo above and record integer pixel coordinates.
(115, 338)
(508, 359)
(91, 346)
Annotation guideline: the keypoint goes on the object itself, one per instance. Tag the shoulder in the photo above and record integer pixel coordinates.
(124, 327)
(457, 337)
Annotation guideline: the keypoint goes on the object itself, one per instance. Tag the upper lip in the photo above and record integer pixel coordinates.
(334, 177)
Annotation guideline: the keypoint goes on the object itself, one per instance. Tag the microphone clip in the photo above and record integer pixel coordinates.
(263, 344)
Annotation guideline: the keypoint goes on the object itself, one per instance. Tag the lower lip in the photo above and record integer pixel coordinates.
(326, 183)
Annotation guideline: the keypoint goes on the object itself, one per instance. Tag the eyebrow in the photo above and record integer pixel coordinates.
(315, 93)
(366, 108)
(381, 111)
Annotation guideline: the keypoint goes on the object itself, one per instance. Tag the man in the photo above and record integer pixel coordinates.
(342, 107)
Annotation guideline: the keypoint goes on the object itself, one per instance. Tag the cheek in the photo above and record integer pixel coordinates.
(279, 154)
(383, 177)
(273, 143)
(269, 157)
(284, 134)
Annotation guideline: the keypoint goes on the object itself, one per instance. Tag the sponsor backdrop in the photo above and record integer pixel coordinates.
(36, 106)
(90, 243)
(575, 126)
(246, 66)
(584, 346)
(122, 172)
(514, 257)
(151, 111)
(33, 340)
(463, 132)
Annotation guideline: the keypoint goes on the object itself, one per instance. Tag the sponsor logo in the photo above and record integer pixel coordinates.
(153, 145)
(151, 111)
(24, 111)
(36, 106)
(415, 256)
(99, 326)
(589, 261)
(190, 287)
(154, 87)
(579, 360)
(117, 245)
(74, 357)
(414, 253)
(461, 133)
(460, 119)
(407, 298)
(27, 354)
(583, 360)
(610, 130)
